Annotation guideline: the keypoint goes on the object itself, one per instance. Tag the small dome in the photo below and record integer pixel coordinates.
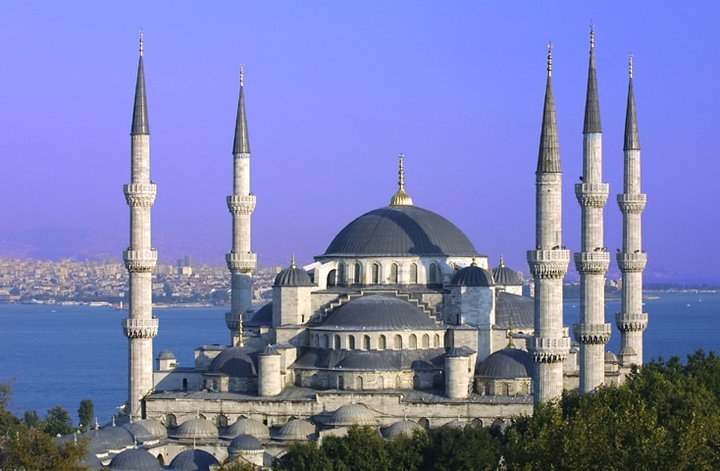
(293, 276)
(457, 423)
(473, 276)
(378, 312)
(610, 357)
(235, 362)
(109, 438)
(193, 460)
(352, 414)
(403, 427)
(135, 459)
(247, 427)
(244, 443)
(155, 427)
(270, 351)
(139, 432)
(197, 428)
(296, 429)
(166, 355)
(507, 363)
(506, 276)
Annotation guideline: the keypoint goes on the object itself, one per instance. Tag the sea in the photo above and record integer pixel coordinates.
(59, 355)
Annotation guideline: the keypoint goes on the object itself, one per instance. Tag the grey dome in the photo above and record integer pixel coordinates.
(135, 459)
(400, 231)
(610, 357)
(506, 276)
(352, 414)
(293, 276)
(473, 276)
(296, 429)
(234, 361)
(515, 309)
(197, 428)
(377, 312)
(109, 438)
(166, 355)
(403, 427)
(456, 423)
(247, 427)
(155, 427)
(244, 443)
(139, 432)
(193, 460)
(506, 364)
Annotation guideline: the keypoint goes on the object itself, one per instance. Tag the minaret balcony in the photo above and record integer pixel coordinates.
(632, 203)
(627, 322)
(233, 321)
(593, 263)
(140, 328)
(549, 349)
(592, 195)
(592, 334)
(631, 262)
(140, 261)
(548, 263)
(140, 194)
(241, 262)
(238, 204)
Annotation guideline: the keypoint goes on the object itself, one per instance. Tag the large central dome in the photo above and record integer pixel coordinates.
(400, 231)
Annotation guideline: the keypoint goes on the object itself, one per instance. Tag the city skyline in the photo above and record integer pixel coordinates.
(334, 92)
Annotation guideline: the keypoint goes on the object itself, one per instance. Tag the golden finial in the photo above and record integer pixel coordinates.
(502, 261)
(474, 262)
(242, 75)
(510, 334)
(142, 43)
(630, 65)
(549, 59)
(592, 35)
(401, 198)
(293, 262)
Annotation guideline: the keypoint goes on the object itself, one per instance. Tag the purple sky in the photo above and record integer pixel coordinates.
(335, 90)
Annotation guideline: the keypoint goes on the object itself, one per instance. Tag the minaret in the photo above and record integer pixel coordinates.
(140, 258)
(592, 262)
(241, 261)
(549, 261)
(631, 321)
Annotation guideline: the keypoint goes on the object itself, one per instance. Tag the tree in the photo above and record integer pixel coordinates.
(86, 414)
(303, 457)
(33, 450)
(31, 419)
(58, 422)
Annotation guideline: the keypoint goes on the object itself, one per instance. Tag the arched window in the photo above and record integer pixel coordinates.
(436, 341)
(359, 383)
(221, 421)
(332, 278)
(413, 273)
(434, 277)
(375, 274)
(357, 275)
(337, 342)
(170, 421)
(184, 384)
(351, 342)
(366, 342)
(426, 341)
(341, 278)
(394, 274)
(413, 342)
(325, 341)
(381, 383)
(398, 382)
(382, 343)
(397, 345)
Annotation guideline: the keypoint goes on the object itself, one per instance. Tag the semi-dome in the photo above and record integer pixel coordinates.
(507, 363)
(473, 276)
(506, 276)
(352, 414)
(293, 276)
(244, 442)
(296, 429)
(235, 362)
(193, 460)
(135, 459)
(196, 428)
(378, 312)
(403, 427)
(400, 231)
(245, 426)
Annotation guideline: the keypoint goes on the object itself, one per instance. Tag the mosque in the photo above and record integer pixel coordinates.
(401, 324)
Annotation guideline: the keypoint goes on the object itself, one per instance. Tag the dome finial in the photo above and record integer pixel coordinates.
(474, 262)
(510, 333)
(242, 75)
(142, 43)
(502, 260)
(549, 59)
(630, 65)
(293, 262)
(401, 198)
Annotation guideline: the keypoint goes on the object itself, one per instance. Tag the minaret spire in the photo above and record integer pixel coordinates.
(549, 261)
(401, 198)
(592, 262)
(140, 257)
(631, 321)
(241, 261)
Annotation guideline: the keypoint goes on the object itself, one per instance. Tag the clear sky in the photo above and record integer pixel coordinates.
(335, 90)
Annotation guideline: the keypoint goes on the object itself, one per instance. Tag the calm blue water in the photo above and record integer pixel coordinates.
(59, 355)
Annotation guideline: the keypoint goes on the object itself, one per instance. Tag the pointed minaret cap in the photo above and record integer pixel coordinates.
(241, 144)
(549, 153)
(140, 124)
(592, 99)
(401, 198)
(632, 135)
